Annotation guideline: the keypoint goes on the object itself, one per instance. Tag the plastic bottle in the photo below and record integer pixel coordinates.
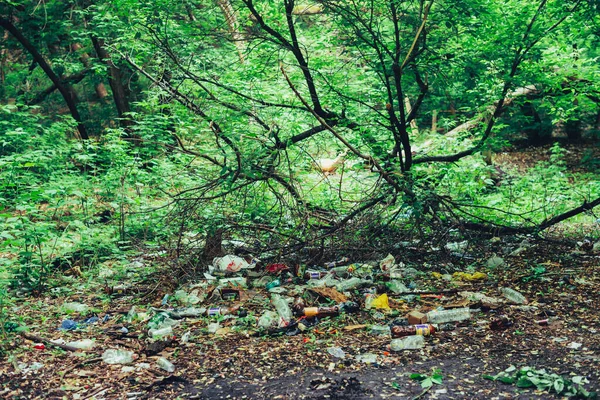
(422, 329)
(381, 330)
(156, 333)
(283, 309)
(408, 343)
(440, 317)
(397, 287)
(513, 295)
(165, 364)
(348, 284)
(115, 356)
(337, 352)
(84, 344)
(268, 319)
(310, 312)
(369, 297)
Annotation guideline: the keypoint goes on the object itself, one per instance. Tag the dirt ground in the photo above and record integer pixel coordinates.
(239, 363)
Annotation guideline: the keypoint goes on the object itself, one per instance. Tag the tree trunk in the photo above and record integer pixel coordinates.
(116, 83)
(231, 18)
(64, 91)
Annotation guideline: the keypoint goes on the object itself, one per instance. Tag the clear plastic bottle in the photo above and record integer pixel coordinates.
(348, 284)
(513, 295)
(408, 343)
(440, 317)
(283, 309)
(165, 364)
(156, 333)
(84, 344)
(116, 356)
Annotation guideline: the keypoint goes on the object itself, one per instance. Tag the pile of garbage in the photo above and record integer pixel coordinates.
(245, 295)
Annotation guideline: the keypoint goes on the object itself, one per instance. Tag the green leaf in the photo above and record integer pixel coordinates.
(524, 382)
(506, 379)
(427, 383)
(488, 377)
(418, 377)
(559, 385)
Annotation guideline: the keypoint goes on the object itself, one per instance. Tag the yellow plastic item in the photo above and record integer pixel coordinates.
(382, 302)
(436, 275)
(464, 276)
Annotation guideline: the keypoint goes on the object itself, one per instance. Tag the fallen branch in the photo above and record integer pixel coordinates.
(498, 229)
(39, 339)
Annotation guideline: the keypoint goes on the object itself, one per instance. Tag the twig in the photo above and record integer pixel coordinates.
(417, 397)
(36, 338)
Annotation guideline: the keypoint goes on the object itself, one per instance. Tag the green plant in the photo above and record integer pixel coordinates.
(527, 377)
(428, 381)
(536, 273)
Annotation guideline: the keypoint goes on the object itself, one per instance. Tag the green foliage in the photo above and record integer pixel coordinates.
(527, 377)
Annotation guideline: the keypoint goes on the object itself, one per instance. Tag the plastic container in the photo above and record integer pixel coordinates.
(85, 344)
(440, 317)
(381, 330)
(116, 356)
(283, 309)
(408, 343)
(156, 333)
(165, 364)
(348, 284)
(397, 287)
(268, 319)
(336, 352)
(513, 296)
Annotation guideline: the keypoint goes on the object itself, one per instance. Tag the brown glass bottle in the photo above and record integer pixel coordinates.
(410, 330)
(321, 311)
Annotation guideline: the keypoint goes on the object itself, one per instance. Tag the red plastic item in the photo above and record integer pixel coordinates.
(275, 268)
(39, 346)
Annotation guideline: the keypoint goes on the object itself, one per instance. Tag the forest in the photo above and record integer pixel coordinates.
(315, 199)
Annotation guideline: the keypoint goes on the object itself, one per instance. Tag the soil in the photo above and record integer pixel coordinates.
(238, 363)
